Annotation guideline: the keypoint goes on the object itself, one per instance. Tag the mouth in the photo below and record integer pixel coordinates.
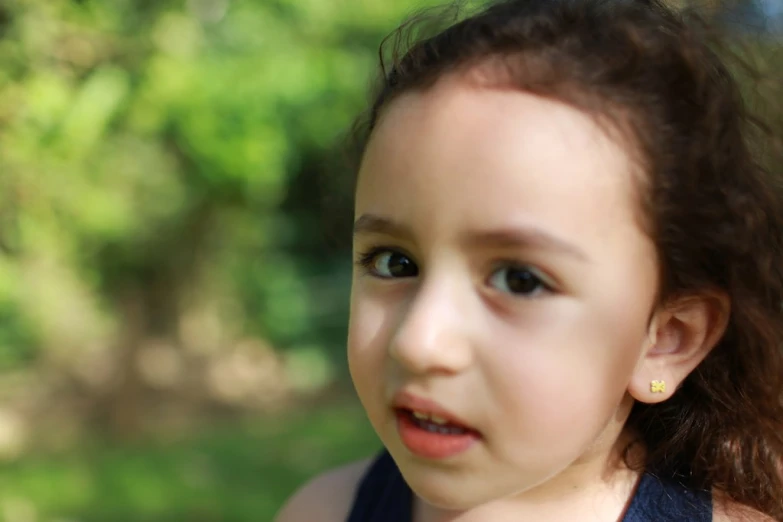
(429, 431)
(432, 423)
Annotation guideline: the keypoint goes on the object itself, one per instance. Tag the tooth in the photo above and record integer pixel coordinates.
(420, 416)
(438, 420)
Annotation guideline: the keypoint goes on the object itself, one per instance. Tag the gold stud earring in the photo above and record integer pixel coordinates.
(658, 386)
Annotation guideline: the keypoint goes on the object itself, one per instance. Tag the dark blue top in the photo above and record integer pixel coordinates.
(383, 496)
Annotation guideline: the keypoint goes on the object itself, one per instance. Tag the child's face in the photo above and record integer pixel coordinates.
(510, 283)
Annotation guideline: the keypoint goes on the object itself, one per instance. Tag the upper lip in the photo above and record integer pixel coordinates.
(407, 401)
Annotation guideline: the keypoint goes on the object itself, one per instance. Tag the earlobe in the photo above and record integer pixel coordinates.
(681, 335)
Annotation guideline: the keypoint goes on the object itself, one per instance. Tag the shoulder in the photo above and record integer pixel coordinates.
(328, 497)
(725, 510)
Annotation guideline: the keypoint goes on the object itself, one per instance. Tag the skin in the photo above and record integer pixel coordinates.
(464, 192)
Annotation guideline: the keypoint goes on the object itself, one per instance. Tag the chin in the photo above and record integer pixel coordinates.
(450, 500)
(452, 493)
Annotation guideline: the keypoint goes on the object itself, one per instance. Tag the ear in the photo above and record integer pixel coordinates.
(681, 335)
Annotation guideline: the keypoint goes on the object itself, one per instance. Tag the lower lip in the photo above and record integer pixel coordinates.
(429, 445)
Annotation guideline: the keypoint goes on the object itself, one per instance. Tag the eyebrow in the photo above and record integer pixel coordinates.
(372, 224)
(513, 237)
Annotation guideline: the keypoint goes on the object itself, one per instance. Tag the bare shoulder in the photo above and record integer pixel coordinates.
(726, 511)
(327, 498)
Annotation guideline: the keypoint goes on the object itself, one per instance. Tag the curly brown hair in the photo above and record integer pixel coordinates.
(708, 200)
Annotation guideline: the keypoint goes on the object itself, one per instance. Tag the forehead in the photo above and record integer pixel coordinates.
(492, 155)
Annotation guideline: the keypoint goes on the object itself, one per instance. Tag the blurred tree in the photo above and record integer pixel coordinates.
(162, 168)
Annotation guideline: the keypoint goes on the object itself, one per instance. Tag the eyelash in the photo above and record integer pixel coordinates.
(367, 259)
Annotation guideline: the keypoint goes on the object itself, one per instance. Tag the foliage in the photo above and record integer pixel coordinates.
(230, 473)
(162, 165)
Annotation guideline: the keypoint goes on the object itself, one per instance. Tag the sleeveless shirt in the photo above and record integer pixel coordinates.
(384, 496)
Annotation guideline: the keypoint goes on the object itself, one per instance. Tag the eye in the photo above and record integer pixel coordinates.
(389, 264)
(518, 280)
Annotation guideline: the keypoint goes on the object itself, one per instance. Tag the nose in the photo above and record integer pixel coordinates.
(432, 333)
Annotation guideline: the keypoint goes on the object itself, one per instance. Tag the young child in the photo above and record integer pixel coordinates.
(566, 304)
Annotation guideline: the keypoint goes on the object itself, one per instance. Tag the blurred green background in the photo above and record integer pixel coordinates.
(174, 252)
(174, 263)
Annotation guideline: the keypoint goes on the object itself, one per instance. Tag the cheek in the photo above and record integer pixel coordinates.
(366, 347)
(567, 367)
